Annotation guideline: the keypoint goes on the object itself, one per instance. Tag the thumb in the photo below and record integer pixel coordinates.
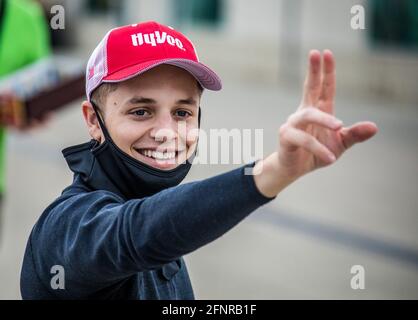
(358, 132)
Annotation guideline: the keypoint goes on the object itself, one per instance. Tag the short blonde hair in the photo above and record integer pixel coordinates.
(99, 95)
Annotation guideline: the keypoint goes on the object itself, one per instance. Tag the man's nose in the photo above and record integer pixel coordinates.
(164, 129)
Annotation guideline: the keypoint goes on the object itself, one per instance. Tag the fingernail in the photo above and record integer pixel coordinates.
(331, 157)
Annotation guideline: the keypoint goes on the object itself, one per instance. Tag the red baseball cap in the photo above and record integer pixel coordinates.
(128, 51)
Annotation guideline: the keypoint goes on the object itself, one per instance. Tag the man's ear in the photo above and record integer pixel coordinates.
(92, 122)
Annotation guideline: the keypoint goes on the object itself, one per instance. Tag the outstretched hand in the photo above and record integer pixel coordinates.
(312, 137)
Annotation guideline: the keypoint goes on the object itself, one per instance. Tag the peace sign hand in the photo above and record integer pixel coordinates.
(313, 137)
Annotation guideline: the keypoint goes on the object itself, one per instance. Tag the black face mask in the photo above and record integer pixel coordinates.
(133, 178)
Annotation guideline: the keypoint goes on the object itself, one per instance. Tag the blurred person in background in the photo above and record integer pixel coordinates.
(24, 39)
(121, 229)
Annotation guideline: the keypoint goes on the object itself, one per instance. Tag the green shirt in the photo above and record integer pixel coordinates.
(23, 39)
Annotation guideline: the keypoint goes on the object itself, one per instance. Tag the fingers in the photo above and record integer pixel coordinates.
(304, 117)
(328, 82)
(320, 82)
(358, 132)
(312, 84)
(291, 138)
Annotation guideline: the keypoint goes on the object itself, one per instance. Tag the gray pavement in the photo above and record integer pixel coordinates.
(361, 211)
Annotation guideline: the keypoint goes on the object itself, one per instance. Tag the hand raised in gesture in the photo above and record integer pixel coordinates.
(312, 137)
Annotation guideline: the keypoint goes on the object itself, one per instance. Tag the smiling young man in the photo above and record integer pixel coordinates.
(120, 230)
(166, 94)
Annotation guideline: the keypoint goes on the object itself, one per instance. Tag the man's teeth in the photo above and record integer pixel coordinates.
(158, 155)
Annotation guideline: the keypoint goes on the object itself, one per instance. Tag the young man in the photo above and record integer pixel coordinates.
(119, 231)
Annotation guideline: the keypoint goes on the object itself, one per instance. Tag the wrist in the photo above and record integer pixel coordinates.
(269, 178)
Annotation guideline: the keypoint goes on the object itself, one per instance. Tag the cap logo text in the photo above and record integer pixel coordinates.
(155, 38)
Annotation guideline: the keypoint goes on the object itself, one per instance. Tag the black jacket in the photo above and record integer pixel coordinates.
(112, 248)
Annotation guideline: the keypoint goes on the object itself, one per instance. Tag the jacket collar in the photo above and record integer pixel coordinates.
(87, 169)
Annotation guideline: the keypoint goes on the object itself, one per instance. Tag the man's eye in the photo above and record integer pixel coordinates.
(182, 113)
(140, 112)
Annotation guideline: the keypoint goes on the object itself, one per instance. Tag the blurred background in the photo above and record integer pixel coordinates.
(363, 210)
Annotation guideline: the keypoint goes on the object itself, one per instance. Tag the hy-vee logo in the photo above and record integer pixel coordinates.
(155, 38)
